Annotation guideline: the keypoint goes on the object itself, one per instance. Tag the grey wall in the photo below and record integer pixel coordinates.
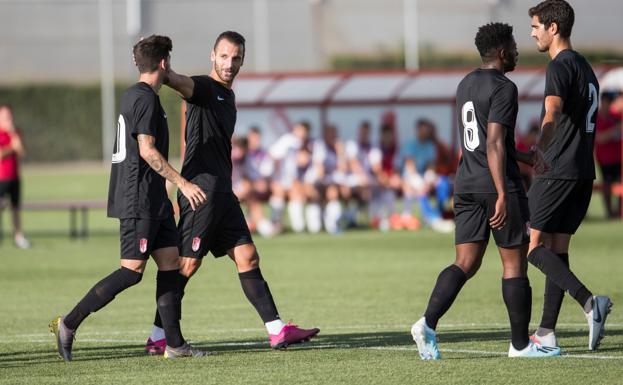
(57, 40)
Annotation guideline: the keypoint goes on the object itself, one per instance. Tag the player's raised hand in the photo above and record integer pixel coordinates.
(195, 195)
(498, 220)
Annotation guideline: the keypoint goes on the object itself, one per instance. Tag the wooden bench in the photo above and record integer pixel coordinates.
(78, 227)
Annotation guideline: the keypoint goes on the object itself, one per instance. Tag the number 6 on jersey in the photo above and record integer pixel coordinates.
(471, 140)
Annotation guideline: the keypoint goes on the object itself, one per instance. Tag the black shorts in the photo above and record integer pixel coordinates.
(216, 227)
(559, 206)
(473, 211)
(139, 237)
(11, 187)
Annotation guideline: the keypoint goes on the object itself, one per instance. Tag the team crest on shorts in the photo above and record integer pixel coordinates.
(196, 243)
(142, 245)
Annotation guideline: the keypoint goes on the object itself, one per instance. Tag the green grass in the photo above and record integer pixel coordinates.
(363, 289)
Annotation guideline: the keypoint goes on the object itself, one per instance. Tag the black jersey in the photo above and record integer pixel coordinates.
(136, 190)
(210, 121)
(485, 96)
(570, 153)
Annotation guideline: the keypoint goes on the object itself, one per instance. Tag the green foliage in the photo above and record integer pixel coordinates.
(64, 122)
(431, 59)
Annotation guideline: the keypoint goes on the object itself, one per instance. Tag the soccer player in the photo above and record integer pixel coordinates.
(137, 196)
(219, 226)
(489, 196)
(560, 195)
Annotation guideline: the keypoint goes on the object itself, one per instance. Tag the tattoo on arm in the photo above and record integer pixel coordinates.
(155, 159)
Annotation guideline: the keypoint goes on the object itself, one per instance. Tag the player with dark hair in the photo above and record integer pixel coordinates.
(561, 192)
(219, 226)
(489, 196)
(137, 196)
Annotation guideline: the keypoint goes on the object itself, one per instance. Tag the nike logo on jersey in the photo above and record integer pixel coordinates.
(220, 98)
(165, 116)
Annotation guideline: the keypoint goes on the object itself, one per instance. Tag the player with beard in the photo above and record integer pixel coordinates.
(489, 196)
(219, 225)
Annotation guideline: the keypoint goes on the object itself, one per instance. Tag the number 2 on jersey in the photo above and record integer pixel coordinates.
(590, 117)
(471, 141)
(120, 151)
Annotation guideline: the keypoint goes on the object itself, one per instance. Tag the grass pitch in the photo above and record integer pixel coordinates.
(363, 289)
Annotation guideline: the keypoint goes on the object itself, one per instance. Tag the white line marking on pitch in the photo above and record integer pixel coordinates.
(486, 352)
(321, 346)
(19, 337)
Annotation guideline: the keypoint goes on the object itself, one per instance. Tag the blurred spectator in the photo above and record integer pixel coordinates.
(11, 149)
(384, 209)
(420, 178)
(524, 143)
(325, 182)
(364, 172)
(291, 154)
(251, 167)
(608, 147)
(446, 165)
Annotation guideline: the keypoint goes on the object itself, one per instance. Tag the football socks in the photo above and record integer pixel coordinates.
(256, 289)
(183, 281)
(101, 294)
(449, 284)
(555, 269)
(552, 299)
(517, 296)
(169, 298)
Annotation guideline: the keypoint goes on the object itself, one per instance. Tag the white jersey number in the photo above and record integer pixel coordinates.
(590, 117)
(471, 141)
(120, 151)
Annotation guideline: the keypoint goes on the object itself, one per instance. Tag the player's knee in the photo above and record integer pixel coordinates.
(469, 266)
(246, 257)
(189, 266)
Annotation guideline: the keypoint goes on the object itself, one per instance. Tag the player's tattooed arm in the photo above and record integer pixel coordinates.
(496, 159)
(155, 160)
(184, 85)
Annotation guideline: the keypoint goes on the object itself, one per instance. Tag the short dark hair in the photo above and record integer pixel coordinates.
(233, 37)
(305, 124)
(150, 51)
(424, 122)
(255, 129)
(555, 11)
(491, 37)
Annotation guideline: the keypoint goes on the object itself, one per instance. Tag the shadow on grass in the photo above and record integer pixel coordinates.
(89, 353)
(389, 340)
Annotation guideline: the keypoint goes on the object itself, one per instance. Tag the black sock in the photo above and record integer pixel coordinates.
(449, 283)
(183, 280)
(258, 293)
(552, 299)
(101, 294)
(517, 296)
(553, 267)
(169, 303)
